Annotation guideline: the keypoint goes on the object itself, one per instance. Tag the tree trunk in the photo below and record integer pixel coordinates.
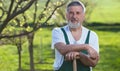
(30, 43)
(19, 53)
(19, 47)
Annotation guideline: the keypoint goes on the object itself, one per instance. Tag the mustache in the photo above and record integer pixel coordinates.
(72, 25)
(73, 19)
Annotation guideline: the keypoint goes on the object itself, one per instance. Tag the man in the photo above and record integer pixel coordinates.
(74, 40)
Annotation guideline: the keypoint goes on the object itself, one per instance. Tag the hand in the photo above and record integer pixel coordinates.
(92, 52)
(71, 55)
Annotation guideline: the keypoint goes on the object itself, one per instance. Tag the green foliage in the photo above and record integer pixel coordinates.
(23, 12)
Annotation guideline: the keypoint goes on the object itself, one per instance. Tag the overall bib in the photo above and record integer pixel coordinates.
(68, 65)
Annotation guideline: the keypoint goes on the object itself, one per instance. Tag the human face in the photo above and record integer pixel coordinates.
(75, 16)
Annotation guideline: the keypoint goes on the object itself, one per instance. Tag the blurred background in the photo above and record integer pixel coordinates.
(26, 25)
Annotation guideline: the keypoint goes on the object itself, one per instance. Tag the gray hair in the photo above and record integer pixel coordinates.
(76, 3)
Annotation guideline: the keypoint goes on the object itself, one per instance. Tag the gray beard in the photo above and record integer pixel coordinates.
(71, 25)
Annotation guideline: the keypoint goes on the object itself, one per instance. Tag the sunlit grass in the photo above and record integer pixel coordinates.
(44, 55)
(109, 51)
(106, 11)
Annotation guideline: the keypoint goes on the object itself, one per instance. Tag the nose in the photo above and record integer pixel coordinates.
(74, 16)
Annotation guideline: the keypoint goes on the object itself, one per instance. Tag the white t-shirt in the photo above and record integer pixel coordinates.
(58, 36)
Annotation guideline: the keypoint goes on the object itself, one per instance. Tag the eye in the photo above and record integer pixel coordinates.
(78, 13)
(70, 12)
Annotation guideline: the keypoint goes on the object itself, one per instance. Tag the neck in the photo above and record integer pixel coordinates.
(76, 29)
(76, 33)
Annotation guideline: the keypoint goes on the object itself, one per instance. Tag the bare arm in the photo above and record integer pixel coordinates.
(63, 48)
(85, 59)
(88, 61)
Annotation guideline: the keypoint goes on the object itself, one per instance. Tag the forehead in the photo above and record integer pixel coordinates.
(75, 8)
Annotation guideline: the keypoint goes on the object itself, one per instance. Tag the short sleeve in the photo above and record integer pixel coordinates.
(57, 36)
(94, 42)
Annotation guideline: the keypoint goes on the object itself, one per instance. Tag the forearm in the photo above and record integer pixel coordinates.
(63, 48)
(86, 60)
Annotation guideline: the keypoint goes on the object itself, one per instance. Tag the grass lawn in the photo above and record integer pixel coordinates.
(44, 56)
(109, 51)
(106, 11)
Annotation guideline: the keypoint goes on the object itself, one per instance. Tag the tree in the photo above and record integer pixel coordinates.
(16, 22)
(14, 18)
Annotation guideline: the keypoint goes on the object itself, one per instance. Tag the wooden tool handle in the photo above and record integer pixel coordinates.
(74, 65)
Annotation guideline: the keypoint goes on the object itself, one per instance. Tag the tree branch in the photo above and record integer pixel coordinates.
(21, 34)
(10, 9)
(9, 17)
(22, 9)
(34, 29)
(1, 16)
(15, 9)
(53, 12)
(46, 6)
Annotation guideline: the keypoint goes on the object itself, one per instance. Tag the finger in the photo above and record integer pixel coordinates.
(92, 58)
(93, 55)
(66, 57)
(72, 56)
(69, 57)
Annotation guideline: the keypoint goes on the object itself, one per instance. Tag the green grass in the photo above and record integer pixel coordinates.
(106, 11)
(8, 58)
(109, 51)
(44, 56)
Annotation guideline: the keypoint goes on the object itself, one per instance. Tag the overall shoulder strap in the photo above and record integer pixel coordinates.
(87, 39)
(65, 36)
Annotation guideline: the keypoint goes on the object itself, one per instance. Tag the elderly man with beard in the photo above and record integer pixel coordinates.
(75, 40)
